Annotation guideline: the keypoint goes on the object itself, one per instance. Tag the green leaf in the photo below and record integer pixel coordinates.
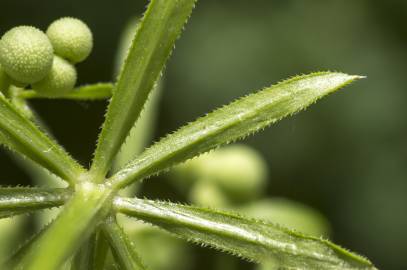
(232, 122)
(16, 256)
(72, 227)
(102, 248)
(122, 248)
(11, 230)
(19, 200)
(86, 92)
(152, 45)
(247, 238)
(92, 255)
(141, 133)
(125, 42)
(21, 135)
(84, 257)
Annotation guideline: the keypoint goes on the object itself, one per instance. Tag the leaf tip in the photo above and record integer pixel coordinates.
(358, 77)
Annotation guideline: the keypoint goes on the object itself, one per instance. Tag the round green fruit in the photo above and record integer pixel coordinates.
(26, 54)
(60, 81)
(208, 194)
(238, 170)
(71, 39)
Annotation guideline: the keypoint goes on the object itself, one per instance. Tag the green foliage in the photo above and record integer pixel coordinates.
(10, 235)
(145, 61)
(86, 227)
(239, 119)
(21, 135)
(79, 219)
(14, 201)
(247, 238)
(123, 249)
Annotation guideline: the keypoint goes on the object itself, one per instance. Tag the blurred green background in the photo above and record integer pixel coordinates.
(346, 156)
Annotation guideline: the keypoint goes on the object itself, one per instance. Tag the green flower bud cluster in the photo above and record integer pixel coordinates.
(28, 56)
(233, 174)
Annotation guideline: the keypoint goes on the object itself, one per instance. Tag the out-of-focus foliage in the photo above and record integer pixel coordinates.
(346, 157)
(10, 229)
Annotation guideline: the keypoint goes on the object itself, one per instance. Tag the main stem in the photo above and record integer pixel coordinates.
(89, 205)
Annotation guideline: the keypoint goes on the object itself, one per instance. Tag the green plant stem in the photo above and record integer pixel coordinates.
(152, 45)
(19, 103)
(122, 248)
(97, 91)
(71, 228)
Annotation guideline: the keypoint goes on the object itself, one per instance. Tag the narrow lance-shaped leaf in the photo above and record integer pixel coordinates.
(248, 238)
(141, 133)
(84, 257)
(122, 248)
(93, 253)
(21, 135)
(22, 250)
(101, 251)
(16, 256)
(152, 45)
(235, 121)
(19, 200)
(87, 92)
(10, 236)
(39, 175)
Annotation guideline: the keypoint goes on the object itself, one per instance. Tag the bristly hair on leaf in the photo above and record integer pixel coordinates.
(247, 238)
(232, 122)
(86, 227)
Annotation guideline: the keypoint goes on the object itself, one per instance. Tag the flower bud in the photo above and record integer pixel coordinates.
(238, 170)
(206, 193)
(26, 54)
(59, 81)
(71, 39)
